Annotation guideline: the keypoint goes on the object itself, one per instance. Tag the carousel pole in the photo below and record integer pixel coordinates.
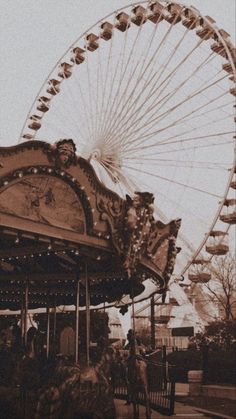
(133, 322)
(152, 318)
(22, 318)
(48, 331)
(26, 303)
(54, 324)
(77, 324)
(87, 314)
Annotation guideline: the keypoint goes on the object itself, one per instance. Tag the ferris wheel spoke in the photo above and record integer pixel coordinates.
(145, 68)
(183, 133)
(110, 100)
(85, 121)
(98, 83)
(91, 102)
(125, 65)
(206, 112)
(177, 150)
(195, 164)
(58, 118)
(132, 48)
(172, 181)
(155, 89)
(104, 89)
(210, 122)
(187, 211)
(192, 112)
(180, 141)
(150, 90)
(203, 88)
(167, 113)
(128, 99)
(160, 117)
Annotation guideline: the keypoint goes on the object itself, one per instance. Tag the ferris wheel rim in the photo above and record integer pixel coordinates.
(230, 59)
(215, 28)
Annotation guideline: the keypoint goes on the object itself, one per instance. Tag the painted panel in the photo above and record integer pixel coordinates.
(44, 199)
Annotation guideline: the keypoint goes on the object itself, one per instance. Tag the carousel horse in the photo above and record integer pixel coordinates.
(76, 392)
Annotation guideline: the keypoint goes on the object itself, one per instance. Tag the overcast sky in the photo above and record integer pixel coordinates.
(35, 34)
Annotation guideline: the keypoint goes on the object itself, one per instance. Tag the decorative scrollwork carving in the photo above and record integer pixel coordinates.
(135, 234)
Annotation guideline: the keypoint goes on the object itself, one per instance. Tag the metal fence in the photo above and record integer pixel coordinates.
(161, 389)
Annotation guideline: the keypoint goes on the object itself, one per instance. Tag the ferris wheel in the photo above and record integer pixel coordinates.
(148, 95)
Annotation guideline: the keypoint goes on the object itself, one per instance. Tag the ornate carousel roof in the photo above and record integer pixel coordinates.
(59, 223)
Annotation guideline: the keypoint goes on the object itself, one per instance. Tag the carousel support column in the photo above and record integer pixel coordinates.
(152, 318)
(54, 325)
(22, 317)
(133, 322)
(26, 303)
(48, 331)
(77, 324)
(87, 315)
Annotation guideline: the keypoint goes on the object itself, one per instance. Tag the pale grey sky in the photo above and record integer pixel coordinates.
(34, 35)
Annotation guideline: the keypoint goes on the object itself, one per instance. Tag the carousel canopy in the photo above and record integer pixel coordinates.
(59, 225)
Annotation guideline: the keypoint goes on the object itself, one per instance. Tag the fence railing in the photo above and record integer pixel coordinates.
(161, 389)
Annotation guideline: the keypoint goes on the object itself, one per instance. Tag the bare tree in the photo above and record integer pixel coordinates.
(222, 287)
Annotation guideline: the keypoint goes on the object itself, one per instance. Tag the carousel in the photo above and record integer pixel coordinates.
(67, 240)
(139, 107)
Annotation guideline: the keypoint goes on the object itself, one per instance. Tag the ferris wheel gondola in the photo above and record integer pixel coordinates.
(147, 94)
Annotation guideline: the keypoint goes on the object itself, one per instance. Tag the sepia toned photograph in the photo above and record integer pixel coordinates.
(117, 209)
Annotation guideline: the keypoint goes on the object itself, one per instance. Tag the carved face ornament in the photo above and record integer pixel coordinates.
(66, 153)
(137, 202)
